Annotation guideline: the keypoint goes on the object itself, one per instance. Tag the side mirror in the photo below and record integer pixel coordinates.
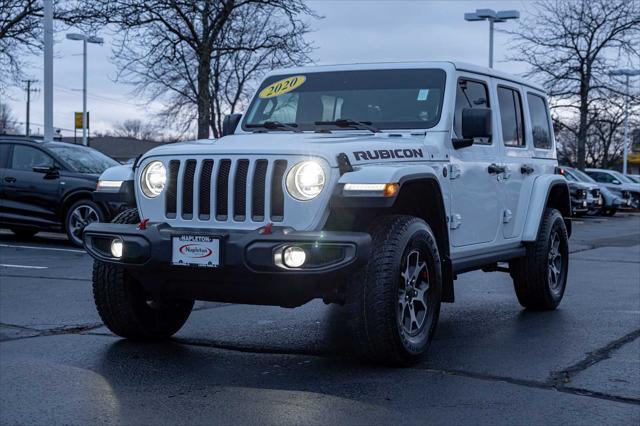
(49, 171)
(476, 123)
(230, 123)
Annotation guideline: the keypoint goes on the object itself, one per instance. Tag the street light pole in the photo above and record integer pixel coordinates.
(48, 69)
(627, 73)
(85, 142)
(492, 16)
(490, 43)
(85, 39)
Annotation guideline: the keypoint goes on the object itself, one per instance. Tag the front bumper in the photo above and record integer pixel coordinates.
(248, 270)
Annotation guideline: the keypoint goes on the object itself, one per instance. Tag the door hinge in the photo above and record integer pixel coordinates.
(454, 171)
(507, 215)
(455, 220)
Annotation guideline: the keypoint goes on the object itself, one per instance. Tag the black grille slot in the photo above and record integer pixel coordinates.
(257, 196)
(277, 193)
(222, 190)
(595, 193)
(204, 209)
(240, 191)
(172, 184)
(187, 189)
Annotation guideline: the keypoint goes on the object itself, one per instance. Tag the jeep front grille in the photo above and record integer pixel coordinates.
(225, 189)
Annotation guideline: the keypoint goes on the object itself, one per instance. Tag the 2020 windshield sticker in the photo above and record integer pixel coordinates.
(283, 86)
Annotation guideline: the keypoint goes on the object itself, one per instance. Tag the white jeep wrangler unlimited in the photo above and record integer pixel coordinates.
(372, 186)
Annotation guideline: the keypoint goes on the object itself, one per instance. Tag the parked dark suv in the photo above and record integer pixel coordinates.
(48, 186)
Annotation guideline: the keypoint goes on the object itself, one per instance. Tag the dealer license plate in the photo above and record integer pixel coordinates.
(196, 250)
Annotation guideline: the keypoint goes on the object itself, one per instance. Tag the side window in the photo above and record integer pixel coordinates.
(26, 158)
(539, 121)
(511, 118)
(470, 94)
(600, 177)
(4, 154)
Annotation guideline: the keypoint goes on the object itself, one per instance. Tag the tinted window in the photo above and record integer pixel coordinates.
(470, 94)
(84, 160)
(539, 121)
(601, 177)
(26, 158)
(4, 154)
(389, 99)
(511, 117)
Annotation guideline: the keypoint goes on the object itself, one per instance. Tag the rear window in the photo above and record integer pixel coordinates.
(540, 126)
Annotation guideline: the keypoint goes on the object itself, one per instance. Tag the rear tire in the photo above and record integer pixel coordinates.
(24, 232)
(609, 212)
(124, 306)
(540, 278)
(394, 301)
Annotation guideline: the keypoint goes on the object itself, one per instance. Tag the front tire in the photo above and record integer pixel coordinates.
(540, 278)
(394, 301)
(80, 214)
(124, 306)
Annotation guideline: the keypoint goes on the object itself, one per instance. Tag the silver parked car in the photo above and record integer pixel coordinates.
(616, 181)
(612, 200)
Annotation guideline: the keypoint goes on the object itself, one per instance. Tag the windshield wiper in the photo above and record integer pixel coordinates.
(276, 125)
(347, 122)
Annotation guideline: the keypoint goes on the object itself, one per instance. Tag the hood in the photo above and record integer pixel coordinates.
(361, 147)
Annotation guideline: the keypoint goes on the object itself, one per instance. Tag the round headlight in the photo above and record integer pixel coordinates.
(153, 178)
(305, 180)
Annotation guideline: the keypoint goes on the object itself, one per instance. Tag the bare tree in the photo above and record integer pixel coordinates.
(571, 45)
(604, 140)
(135, 129)
(20, 34)
(166, 47)
(8, 122)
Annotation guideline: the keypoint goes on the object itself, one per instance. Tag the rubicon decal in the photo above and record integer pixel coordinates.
(195, 251)
(386, 154)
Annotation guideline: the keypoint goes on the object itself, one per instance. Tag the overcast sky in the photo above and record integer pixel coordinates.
(351, 31)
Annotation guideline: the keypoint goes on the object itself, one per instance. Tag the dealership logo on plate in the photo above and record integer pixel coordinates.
(195, 251)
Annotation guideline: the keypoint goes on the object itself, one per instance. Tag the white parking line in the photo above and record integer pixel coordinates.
(42, 248)
(6, 265)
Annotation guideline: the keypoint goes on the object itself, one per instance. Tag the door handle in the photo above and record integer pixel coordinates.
(9, 179)
(526, 169)
(495, 169)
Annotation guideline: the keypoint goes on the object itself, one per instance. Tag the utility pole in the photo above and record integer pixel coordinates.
(29, 90)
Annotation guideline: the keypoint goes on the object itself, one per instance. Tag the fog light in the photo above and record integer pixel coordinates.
(116, 248)
(294, 257)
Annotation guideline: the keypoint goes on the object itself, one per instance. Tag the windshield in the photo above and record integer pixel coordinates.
(386, 99)
(581, 175)
(621, 177)
(84, 160)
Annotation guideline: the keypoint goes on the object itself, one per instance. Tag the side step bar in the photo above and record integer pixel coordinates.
(472, 263)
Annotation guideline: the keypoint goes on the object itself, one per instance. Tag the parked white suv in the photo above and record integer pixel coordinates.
(372, 186)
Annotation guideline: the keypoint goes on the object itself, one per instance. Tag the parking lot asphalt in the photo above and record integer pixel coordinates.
(490, 362)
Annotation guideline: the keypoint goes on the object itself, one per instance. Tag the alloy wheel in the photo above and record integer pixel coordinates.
(555, 262)
(80, 217)
(413, 291)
